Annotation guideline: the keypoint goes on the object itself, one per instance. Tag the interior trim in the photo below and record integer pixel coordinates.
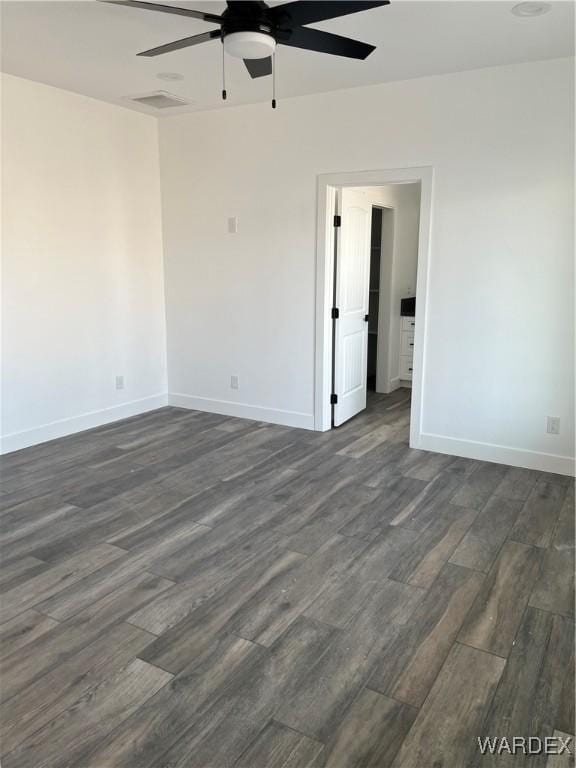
(243, 410)
(499, 454)
(74, 424)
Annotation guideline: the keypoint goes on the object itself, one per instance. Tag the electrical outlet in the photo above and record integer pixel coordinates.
(553, 425)
(233, 225)
(119, 382)
(234, 382)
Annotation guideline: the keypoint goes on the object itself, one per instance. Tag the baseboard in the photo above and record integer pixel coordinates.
(243, 410)
(516, 457)
(389, 386)
(64, 427)
(500, 454)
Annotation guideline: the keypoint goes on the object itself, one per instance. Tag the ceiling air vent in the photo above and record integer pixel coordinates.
(159, 100)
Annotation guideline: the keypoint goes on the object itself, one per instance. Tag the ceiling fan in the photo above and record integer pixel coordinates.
(251, 30)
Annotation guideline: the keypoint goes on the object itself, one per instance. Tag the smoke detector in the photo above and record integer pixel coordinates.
(529, 9)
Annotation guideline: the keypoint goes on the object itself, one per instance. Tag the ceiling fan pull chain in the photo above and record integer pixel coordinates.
(224, 94)
(274, 80)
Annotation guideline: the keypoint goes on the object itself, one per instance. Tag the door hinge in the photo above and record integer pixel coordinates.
(333, 399)
(335, 313)
(337, 221)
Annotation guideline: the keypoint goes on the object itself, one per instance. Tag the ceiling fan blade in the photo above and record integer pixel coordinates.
(324, 42)
(244, 4)
(167, 9)
(309, 11)
(259, 67)
(186, 42)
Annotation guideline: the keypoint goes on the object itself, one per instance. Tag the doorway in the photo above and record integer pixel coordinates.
(381, 295)
(374, 296)
(362, 324)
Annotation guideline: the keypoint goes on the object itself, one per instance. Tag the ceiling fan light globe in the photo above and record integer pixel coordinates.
(249, 45)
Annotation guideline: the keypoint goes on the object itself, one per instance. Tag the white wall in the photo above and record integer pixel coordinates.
(405, 263)
(499, 354)
(82, 263)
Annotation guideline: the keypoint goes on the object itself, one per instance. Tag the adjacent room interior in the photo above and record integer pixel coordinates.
(287, 472)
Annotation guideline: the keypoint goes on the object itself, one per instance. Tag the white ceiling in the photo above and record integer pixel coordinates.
(90, 48)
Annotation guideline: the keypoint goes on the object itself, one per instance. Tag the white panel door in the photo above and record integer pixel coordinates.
(352, 293)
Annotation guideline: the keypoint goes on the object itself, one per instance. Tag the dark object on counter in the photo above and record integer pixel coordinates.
(408, 307)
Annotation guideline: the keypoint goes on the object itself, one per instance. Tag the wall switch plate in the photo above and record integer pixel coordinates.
(234, 382)
(233, 225)
(553, 425)
(119, 382)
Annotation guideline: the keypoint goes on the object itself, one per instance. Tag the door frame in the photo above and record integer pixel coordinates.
(328, 186)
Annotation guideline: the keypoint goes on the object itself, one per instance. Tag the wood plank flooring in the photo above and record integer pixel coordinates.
(188, 590)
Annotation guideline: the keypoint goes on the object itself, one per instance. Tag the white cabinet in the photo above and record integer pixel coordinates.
(407, 326)
(408, 323)
(406, 343)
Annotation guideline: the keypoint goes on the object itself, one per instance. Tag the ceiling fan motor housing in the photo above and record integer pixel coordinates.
(249, 44)
(245, 33)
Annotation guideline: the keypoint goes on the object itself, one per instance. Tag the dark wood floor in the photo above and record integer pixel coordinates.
(188, 590)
